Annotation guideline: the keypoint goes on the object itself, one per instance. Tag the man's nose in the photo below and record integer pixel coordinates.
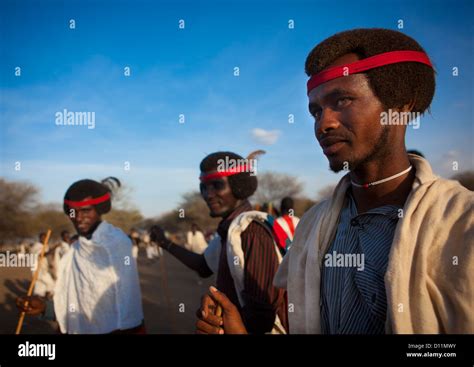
(210, 192)
(80, 216)
(329, 120)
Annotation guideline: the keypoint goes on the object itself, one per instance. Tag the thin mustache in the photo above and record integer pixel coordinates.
(326, 136)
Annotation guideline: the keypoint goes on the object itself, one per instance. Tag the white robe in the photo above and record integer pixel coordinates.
(98, 289)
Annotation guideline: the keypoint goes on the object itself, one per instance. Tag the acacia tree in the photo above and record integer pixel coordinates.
(17, 200)
(274, 186)
(191, 209)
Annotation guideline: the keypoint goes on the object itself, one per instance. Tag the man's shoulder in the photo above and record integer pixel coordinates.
(115, 234)
(314, 213)
(257, 228)
(448, 195)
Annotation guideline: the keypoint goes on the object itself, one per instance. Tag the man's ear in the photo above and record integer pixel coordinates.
(99, 215)
(408, 107)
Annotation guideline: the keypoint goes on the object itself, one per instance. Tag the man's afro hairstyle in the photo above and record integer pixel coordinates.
(82, 189)
(243, 184)
(395, 85)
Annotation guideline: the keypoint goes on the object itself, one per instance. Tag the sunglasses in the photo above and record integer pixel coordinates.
(216, 185)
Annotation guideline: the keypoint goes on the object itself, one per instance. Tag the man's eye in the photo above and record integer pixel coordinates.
(218, 185)
(342, 102)
(317, 114)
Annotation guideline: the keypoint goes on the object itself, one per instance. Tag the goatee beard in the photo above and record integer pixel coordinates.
(378, 151)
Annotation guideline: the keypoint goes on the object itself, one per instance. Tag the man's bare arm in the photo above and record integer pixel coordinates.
(192, 260)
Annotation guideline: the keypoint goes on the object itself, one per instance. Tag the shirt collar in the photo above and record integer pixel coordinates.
(225, 223)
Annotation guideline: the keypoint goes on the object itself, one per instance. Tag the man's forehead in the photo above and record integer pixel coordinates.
(344, 82)
(354, 83)
(88, 207)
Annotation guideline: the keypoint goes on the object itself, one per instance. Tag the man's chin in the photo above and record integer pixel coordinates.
(337, 164)
(83, 231)
(213, 214)
(220, 214)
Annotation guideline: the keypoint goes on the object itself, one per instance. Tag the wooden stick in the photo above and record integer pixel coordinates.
(219, 310)
(32, 285)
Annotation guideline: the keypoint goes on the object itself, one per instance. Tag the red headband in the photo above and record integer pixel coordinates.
(372, 62)
(218, 174)
(78, 204)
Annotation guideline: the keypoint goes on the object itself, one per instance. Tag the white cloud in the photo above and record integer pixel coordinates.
(452, 162)
(266, 137)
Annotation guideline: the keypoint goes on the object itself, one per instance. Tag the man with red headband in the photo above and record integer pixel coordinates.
(97, 289)
(392, 250)
(246, 251)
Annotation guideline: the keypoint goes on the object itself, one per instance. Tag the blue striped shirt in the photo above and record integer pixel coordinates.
(353, 298)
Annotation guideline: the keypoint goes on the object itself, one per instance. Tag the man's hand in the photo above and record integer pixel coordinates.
(157, 234)
(229, 322)
(33, 305)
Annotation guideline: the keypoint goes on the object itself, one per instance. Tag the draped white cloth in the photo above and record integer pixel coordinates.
(98, 289)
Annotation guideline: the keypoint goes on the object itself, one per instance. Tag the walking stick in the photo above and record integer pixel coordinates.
(32, 285)
(219, 310)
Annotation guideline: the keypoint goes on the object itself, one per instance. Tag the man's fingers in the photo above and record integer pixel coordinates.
(207, 305)
(221, 298)
(212, 319)
(32, 305)
(23, 303)
(210, 308)
(19, 302)
(204, 327)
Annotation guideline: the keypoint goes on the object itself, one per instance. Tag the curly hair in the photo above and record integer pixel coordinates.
(243, 184)
(395, 85)
(79, 190)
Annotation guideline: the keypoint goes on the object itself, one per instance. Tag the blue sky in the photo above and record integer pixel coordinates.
(190, 71)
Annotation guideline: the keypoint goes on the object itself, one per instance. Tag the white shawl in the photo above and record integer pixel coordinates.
(98, 290)
(235, 254)
(429, 280)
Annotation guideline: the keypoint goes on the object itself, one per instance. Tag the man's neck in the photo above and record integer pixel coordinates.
(238, 204)
(393, 192)
(89, 234)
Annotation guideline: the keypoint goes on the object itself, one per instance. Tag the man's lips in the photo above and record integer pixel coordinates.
(213, 204)
(331, 144)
